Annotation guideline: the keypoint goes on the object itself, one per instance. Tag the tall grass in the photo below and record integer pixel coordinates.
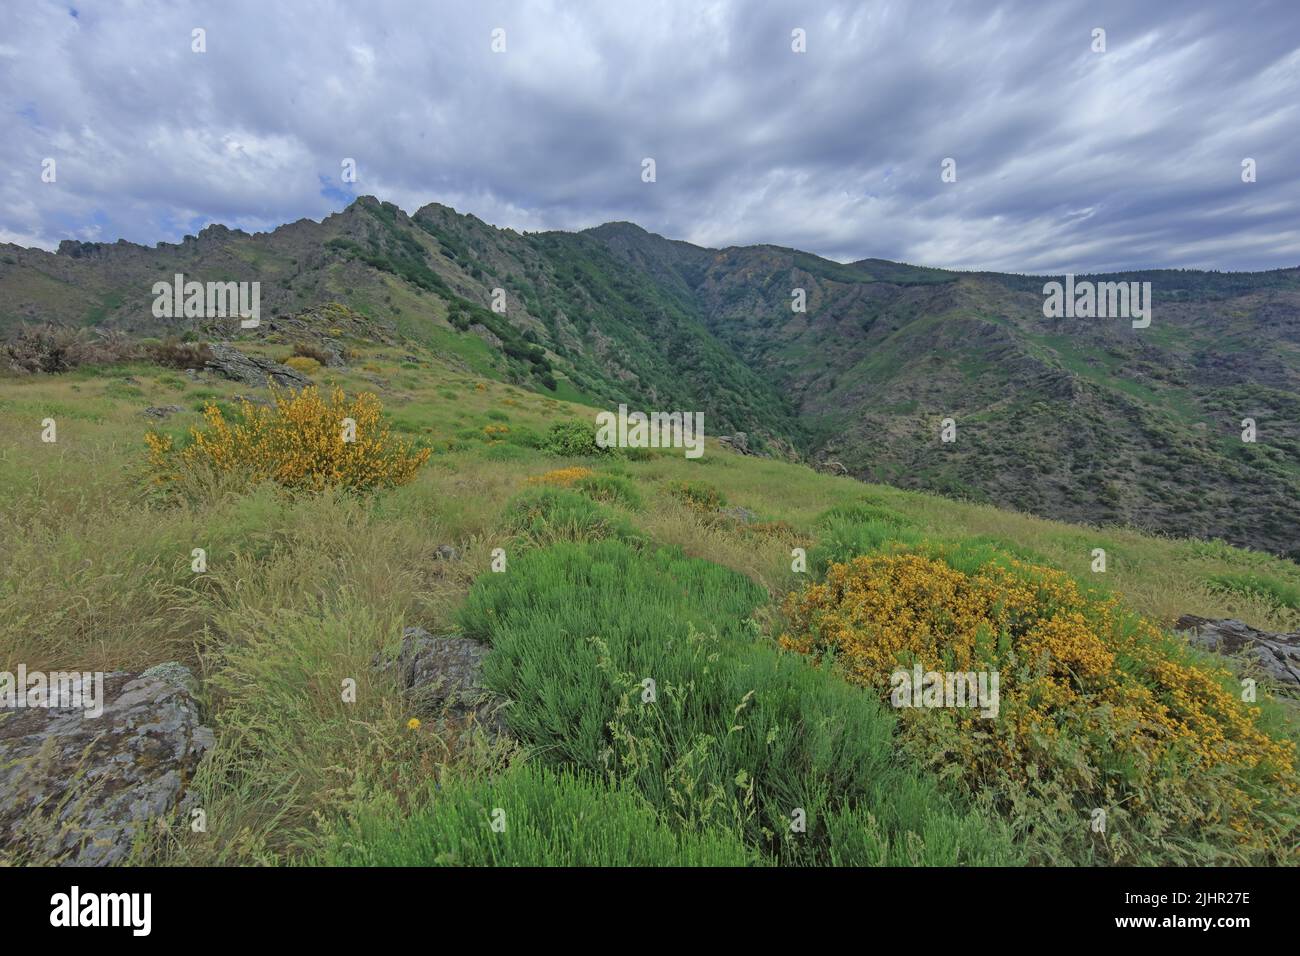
(531, 815)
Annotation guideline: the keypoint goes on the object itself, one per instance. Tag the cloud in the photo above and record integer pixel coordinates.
(1067, 159)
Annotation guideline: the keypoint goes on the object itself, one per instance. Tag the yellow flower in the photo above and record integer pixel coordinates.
(413, 724)
(302, 442)
(1071, 664)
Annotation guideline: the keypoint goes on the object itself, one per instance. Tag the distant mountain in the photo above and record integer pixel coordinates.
(1079, 419)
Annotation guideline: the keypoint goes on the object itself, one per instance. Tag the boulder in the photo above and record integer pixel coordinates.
(76, 788)
(162, 411)
(228, 361)
(1277, 654)
(446, 552)
(441, 676)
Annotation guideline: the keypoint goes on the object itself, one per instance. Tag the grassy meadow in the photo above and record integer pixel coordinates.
(619, 568)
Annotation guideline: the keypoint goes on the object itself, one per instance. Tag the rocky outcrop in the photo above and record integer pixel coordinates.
(75, 788)
(1277, 654)
(486, 334)
(738, 442)
(441, 676)
(229, 362)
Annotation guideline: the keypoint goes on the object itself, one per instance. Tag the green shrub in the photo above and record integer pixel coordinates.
(574, 439)
(545, 514)
(525, 437)
(610, 489)
(739, 737)
(551, 818)
(698, 495)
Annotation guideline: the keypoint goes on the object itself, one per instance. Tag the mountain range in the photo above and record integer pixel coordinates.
(1082, 419)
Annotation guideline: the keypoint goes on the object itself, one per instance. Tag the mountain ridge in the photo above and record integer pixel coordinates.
(1085, 420)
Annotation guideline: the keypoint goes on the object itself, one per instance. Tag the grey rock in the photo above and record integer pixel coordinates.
(441, 676)
(250, 370)
(738, 442)
(76, 788)
(446, 552)
(743, 515)
(162, 411)
(1277, 654)
(486, 334)
(174, 673)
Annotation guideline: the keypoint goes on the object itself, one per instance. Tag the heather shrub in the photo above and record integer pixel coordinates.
(1098, 708)
(298, 443)
(173, 353)
(52, 349)
(308, 350)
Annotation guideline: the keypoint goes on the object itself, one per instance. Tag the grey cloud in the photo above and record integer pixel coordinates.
(1067, 160)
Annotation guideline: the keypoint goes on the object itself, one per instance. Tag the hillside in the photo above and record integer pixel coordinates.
(1085, 420)
(619, 568)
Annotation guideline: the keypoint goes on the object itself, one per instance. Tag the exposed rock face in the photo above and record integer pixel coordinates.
(738, 442)
(1278, 654)
(486, 334)
(442, 678)
(250, 370)
(74, 788)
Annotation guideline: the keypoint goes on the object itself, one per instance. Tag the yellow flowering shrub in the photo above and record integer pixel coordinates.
(298, 442)
(561, 477)
(302, 363)
(1088, 693)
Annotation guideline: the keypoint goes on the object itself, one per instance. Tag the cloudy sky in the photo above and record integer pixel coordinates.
(1066, 159)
